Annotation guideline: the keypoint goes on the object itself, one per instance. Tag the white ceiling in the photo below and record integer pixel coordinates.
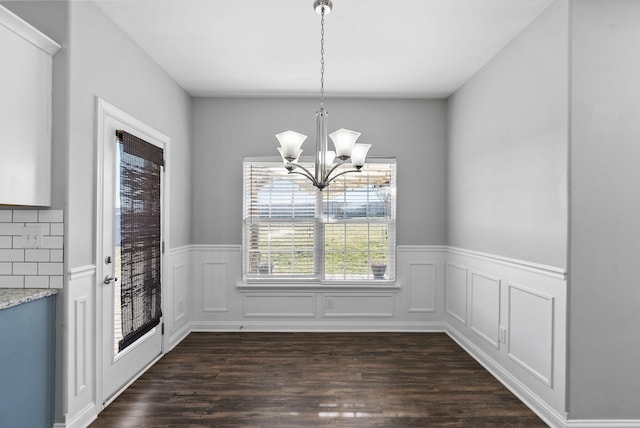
(373, 48)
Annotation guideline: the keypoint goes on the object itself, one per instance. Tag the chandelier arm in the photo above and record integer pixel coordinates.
(306, 172)
(326, 177)
(342, 173)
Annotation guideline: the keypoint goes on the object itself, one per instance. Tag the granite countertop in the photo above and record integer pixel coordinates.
(16, 296)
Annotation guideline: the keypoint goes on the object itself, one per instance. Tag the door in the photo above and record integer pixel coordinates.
(130, 248)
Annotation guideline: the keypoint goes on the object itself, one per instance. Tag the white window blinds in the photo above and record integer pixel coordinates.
(292, 231)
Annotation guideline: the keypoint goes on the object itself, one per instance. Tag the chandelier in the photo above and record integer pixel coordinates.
(347, 151)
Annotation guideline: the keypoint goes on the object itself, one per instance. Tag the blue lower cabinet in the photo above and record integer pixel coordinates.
(27, 364)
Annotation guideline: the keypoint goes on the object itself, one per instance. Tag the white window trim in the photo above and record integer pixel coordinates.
(311, 284)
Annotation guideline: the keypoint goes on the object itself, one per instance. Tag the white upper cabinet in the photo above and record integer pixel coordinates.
(25, 112)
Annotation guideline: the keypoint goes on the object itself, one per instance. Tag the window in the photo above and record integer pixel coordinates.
(294, 232)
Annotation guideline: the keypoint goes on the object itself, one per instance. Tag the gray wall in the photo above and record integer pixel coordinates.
(227, 129)
(106, 63)
(507, 152)
(604, 296)
(98, 59)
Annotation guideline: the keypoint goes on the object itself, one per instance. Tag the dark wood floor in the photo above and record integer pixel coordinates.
(317, 379)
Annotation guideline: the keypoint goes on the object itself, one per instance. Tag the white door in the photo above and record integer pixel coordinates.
(118, 366)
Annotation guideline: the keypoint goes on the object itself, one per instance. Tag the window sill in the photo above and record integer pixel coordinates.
(318, 286)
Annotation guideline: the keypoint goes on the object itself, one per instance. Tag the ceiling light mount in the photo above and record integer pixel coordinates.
(318, 5)
(344, 140)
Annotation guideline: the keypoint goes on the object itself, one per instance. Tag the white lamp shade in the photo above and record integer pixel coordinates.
(285, 160)
(343, 141)
(290, 141)
(359, 154)
(329, 157)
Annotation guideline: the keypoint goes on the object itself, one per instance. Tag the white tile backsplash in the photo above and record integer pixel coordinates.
(11, 255)
(53, 242)
(10, 281)
(39, 256)
(11, 229)
(36, 282)
(57, 229)
(25, 216)
(55, 281)
(51, 216)
(49, 269)
(6, 268)
(46, 228)
(6, 242)
(55, 256)
(26, 267)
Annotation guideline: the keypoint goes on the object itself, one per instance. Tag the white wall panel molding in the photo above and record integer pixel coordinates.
(603, 423)
(301, 325)
(530, 342)
(80, 272)
(215, 287)
(551, 271)
(220, 298)
(176, 290)
(485, 307)
(185, 249)
(536, 403)
(343, 305)
(81, 323)
(179, 280)
(516, 318)
(422, 248)
(421, 286)
(242, 287)
(78, 367)
(279, 305)
(456, 292)
(216, 248)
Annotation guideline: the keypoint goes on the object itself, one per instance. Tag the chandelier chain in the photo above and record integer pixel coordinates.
(322, 58)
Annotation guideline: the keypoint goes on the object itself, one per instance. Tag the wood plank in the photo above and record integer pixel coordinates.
(317, 379)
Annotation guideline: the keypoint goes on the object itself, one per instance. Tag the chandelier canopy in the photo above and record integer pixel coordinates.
(347, 151)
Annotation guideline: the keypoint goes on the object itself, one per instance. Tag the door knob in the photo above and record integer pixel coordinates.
(109, 279)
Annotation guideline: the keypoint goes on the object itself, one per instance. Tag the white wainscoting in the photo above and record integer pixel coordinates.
(456, 292)
(510, 315)
(485, 307)
(176, 292)
(78, 365)
(222, 302)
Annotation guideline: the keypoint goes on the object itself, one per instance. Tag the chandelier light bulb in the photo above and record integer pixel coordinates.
(343, 141)
(290, 141)
(359, 154)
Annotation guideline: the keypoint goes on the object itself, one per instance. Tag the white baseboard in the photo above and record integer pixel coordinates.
(82, 419)
(178, 337)
(603, 423)
(531, 400)
(314, 326)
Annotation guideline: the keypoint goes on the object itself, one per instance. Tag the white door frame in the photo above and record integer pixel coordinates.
(104, 111)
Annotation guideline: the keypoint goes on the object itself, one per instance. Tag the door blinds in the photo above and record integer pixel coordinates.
(140, 236)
